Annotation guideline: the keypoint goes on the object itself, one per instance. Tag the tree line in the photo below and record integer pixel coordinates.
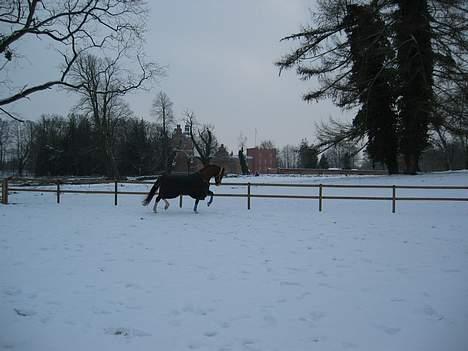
(347, 155)
(58, 146)
(102, 137)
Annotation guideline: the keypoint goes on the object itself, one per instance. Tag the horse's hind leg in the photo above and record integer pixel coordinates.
(166, 204)
(196, 205)
(155, 210)
(211, 197)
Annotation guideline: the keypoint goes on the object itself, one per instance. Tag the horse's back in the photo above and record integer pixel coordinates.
(174, 185)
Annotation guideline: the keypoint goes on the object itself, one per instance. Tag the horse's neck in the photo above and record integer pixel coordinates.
(208, 173)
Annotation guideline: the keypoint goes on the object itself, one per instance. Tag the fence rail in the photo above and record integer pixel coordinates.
(58, 183)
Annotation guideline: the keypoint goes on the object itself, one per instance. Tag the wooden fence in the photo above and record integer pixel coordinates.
(8, 185)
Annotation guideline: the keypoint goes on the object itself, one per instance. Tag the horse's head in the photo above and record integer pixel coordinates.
(210, 171)
(219, 176)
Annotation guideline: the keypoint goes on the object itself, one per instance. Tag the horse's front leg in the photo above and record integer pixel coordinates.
(196, 205)
(211, 197)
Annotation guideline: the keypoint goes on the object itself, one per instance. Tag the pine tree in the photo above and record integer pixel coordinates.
(370, 50)
(385, 66)
(415, 68)
(308, 155)
(323, 163)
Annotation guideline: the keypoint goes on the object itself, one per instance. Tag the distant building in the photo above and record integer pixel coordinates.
(230, 163)
(185, 160)
(182, 144)
(259, 160)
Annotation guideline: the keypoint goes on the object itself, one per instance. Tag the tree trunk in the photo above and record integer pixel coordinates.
(411, 163)
(465, 148)
(415, 58)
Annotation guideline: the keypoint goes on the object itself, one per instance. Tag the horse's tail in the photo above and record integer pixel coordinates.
(150, 195)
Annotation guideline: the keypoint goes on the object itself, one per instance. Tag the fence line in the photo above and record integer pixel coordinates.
(320, 197)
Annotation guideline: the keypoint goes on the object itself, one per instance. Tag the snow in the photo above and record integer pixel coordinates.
(87, 275)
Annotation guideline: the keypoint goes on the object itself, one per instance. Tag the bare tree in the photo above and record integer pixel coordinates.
(342, 155)
(203, 138)
(4, 140)
(102, 85)
(22, 136)
(450, 120)
(74, 28)
(267, 144)
(289, 156)
(162, 110)
(242, 140)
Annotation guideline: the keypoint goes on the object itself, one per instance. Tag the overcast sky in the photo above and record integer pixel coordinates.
(220, 64)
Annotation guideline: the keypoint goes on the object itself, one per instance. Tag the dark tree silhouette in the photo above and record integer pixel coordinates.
(395, 56)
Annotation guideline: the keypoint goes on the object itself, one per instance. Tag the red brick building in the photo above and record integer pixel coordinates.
(260, 160)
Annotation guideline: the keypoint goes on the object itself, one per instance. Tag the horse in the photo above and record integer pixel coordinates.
(196, 185)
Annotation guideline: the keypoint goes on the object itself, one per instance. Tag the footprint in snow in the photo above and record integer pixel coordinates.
(387, 330)
(285, 283)
(225, 325)
(127, 332)
(303, 296)
(12, 291)
(210, 333)
(270, 320)
(431, 312)
(248, 343)
(398, 299)
(316, 315)
(194, 345)
(24, 312)
(349, 345)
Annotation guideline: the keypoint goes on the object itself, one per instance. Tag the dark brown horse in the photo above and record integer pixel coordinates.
(195, 185)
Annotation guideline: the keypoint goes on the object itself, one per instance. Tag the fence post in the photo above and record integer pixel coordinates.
(248, 196)
(393, 198)
(58, 191)
(320, 197)
(180, 201)
(115, 192)
(5, 191)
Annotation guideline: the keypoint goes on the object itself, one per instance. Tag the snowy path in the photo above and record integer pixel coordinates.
(85, 275)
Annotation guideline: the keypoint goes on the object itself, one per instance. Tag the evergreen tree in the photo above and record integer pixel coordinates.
(78, 147)
(347, 161)
(402, 39)
(370, 50)
(323, 163)
(415, 66)
(48, 145)
(135, 148)
(308, 155)
(243, 162)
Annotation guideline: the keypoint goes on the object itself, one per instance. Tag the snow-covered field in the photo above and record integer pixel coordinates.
(86, 275)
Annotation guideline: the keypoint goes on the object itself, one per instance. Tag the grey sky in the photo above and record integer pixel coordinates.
(219, 57)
